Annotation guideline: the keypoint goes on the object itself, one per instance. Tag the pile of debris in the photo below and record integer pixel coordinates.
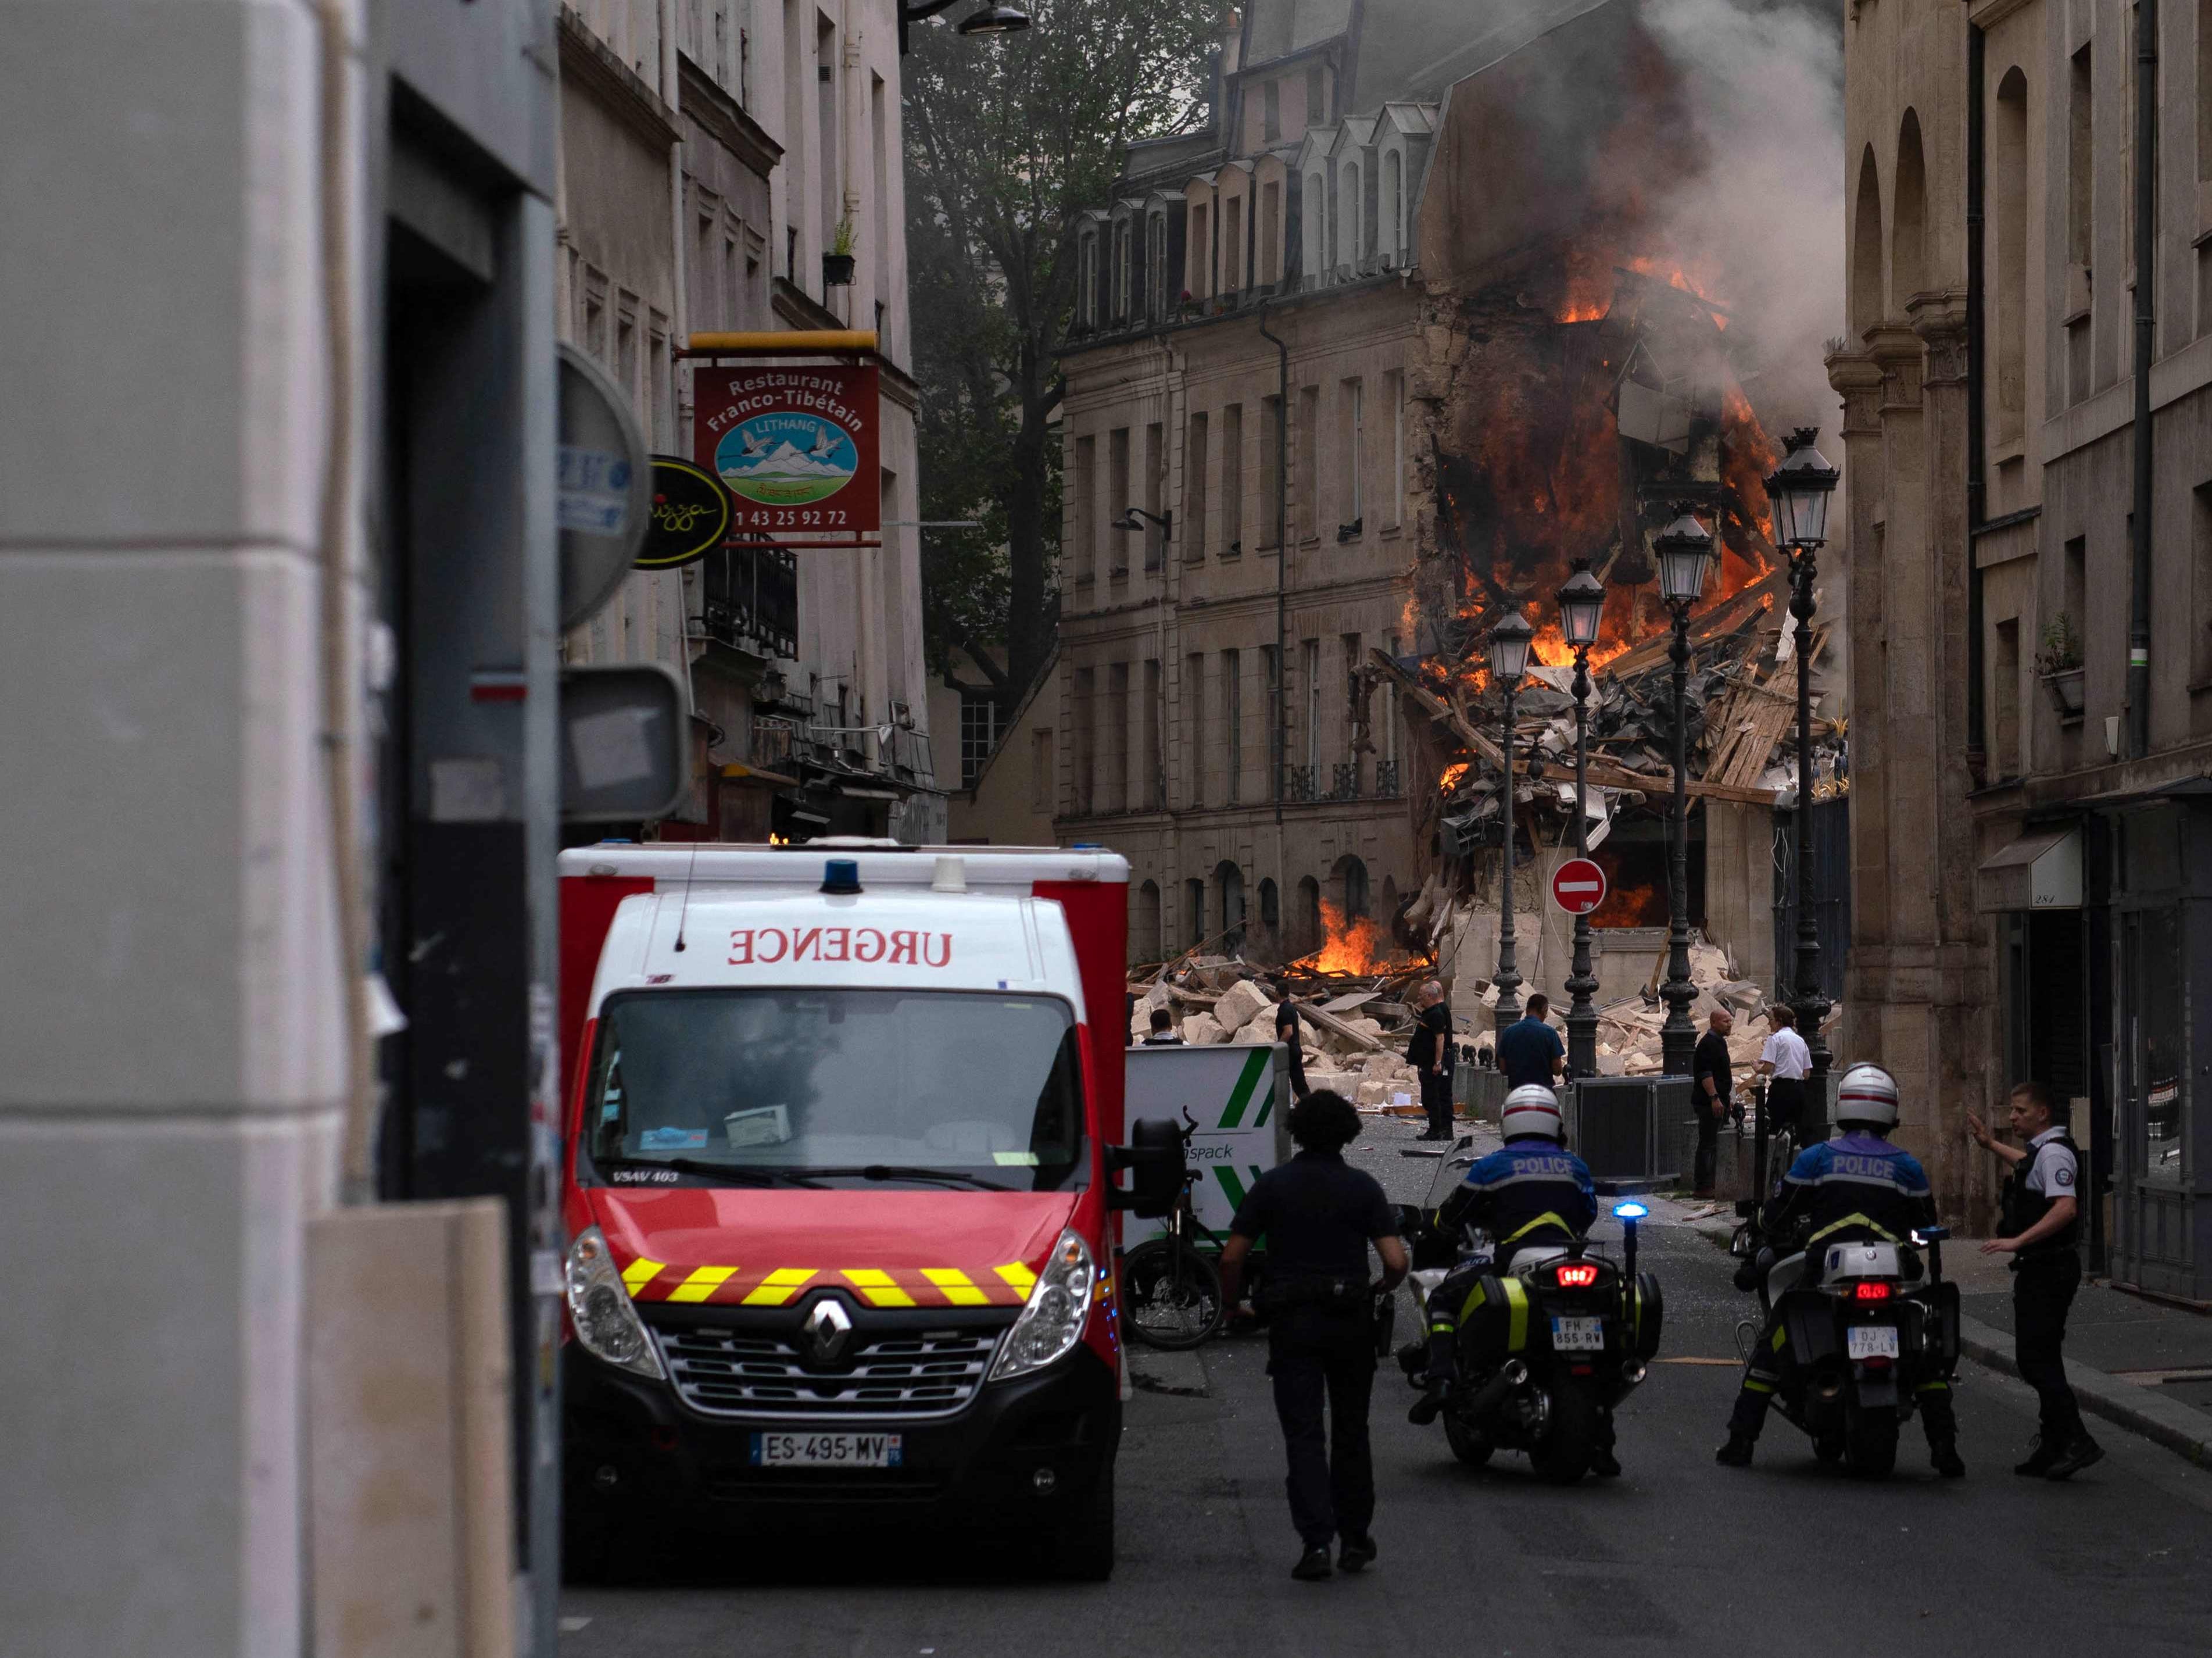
(1354, 1028)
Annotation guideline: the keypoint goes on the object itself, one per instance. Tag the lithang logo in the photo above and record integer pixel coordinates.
(786, 460)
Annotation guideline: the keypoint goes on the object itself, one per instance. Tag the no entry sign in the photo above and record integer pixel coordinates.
(1578, 886)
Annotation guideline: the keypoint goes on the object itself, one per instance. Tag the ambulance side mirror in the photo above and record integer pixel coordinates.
(1154, 1160)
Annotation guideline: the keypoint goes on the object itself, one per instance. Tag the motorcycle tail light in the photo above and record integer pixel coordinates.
(1872, 1290)
(1577, 1276)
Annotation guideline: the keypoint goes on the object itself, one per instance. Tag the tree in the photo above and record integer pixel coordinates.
(1007, 143)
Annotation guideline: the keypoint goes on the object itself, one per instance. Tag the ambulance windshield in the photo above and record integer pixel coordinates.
(957, 1088)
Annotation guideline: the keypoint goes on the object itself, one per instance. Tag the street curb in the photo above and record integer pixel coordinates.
(2185, 1432)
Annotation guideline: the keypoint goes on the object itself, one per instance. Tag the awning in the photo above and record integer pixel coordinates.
(736, 771)
(2192, 788)
(2041, 870)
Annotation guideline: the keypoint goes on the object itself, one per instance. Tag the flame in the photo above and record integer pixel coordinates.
(1452, 773)
(1632, 906)
(1352, 947)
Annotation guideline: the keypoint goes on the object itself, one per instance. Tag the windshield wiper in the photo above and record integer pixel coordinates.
(736, 1174)
(913, 1172)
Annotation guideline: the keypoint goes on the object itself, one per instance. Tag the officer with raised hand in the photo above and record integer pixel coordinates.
(2038, 1226)
(1530, 1191)
(1857, 1188)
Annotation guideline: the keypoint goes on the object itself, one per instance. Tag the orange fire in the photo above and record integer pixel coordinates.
(1353, 947)
(1453, 774)
(1632, 906)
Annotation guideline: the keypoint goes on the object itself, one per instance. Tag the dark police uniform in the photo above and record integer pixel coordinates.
(1529, 1191)
(1432, 1039)
(2045, 1274)
(1287, 1032)
(1317, 1214)
(1855, 1188)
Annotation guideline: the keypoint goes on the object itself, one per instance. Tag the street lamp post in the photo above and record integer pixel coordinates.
(1509, 660)
(1582, 603)
(1799, 492)
(1685, 550)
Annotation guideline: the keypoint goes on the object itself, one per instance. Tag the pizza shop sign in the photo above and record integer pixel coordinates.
(796, 446)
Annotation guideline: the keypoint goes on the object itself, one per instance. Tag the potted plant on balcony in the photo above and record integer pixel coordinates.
(837, 263)
(2059, 664)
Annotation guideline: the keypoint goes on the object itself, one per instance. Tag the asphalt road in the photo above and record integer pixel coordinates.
(1680, 1554)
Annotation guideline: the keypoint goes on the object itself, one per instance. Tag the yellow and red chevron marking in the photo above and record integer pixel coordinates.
(1008, 1285)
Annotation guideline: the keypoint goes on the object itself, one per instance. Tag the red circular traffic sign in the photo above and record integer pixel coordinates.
(1578, 886)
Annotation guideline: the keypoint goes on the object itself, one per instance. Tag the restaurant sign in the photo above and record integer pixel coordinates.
(795, 447)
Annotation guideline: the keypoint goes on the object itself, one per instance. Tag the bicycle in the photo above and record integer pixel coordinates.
(1171, 1289)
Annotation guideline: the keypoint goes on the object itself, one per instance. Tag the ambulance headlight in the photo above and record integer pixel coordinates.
(599, 1308)
(1059, 1307)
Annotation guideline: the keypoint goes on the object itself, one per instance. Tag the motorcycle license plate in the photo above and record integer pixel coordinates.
(1578, 1335)
(827, 1450)
(1871, 1341)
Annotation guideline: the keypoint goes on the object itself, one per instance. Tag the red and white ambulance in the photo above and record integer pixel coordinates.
(841, 1125)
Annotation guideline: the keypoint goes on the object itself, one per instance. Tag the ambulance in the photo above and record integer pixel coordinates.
(843, 1125)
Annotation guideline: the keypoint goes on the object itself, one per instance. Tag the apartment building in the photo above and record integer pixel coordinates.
(2031, 841)
(710, 152)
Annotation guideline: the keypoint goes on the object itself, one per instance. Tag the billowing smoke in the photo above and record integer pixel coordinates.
(1765, 87)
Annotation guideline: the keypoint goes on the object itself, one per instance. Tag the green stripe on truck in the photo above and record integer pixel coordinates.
(1255, 1067)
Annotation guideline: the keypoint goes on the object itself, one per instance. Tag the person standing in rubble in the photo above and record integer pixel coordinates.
(1431, 1054)
(1710, 1089)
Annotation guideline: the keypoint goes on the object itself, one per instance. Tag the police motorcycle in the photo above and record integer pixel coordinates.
(1546, 1347)
(1860, 1339)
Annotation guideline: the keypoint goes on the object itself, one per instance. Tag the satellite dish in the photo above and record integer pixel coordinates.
(603, 506)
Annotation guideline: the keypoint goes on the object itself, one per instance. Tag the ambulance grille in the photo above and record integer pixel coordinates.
(907, 1374)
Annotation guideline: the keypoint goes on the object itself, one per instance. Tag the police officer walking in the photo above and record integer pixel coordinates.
(1318, 1216)
(2037, 1227)
(1854, 1188)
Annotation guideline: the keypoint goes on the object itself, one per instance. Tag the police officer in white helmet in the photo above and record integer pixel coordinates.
(1529, 1191)
(1854, 1188)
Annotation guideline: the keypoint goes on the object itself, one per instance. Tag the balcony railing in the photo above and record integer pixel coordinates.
(750, 600)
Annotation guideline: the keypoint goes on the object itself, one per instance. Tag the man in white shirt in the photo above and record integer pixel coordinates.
(1785, 1061)
(2039, 1226)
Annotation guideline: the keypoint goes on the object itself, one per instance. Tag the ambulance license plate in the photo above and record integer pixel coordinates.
(1871, 1341)
(1578, 1335)
(827, 1450)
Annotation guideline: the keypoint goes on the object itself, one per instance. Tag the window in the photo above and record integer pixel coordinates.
(1310, 661)
(2081, 166)
(1232, 712)
(1271, 669)
(2076, 594)
(1156, 478)
(1270, 468)
(1271, 230)
(1044, 785)
(1198, 261)
(1349, 250)
(1193, 890)
(1144, 923)
(1149, 784)
(1231, 509)
(663, 423)
(1084, 745)
(1271, 111)
(1118, 500)
(1085, 493)
(2200, 600)
(1352, 708)
(1232, 245)
(1394, 207)
(2004, 703)
(1390, 708)
(880, 144)
(979, 733)
(595, 317)
(1193, 516)
(1313, 200)
(1114, 744)
(1316, 96)
(1351, 405)
(2007, 201)
(625, 363)
(1196, 738)
(828, 171)
(1309, 473)
(1156, 266)
(1395, 384)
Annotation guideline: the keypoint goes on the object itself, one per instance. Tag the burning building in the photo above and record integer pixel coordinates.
(1408, 327)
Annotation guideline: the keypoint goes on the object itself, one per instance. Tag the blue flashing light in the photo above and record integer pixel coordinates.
(841, 875)
(1629, 1211)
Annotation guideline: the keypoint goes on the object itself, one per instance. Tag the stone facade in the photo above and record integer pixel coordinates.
(1991, 428)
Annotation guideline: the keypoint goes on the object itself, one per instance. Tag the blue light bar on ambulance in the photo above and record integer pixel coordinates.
(841, 875)
(1629, 1211)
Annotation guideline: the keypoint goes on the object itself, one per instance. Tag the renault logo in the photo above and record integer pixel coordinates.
(828, 1327)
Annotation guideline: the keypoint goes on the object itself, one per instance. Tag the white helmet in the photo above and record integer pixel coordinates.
(1532, 1108)
(1868, 1094)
